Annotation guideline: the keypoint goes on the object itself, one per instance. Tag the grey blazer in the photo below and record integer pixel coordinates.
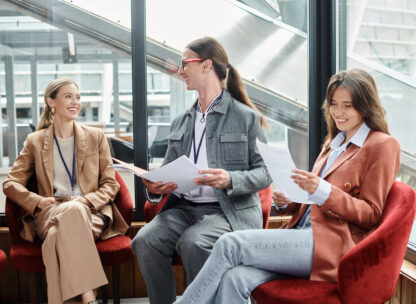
(231, 132)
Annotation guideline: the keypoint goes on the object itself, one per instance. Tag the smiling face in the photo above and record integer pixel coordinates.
(66, 103)
(191, 72)
(343, 113)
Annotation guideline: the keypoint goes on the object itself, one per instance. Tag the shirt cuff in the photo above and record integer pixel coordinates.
(321, 194)
(153, 198)
(280, 208)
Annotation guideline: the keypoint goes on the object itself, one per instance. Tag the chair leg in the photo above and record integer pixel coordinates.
(116, 284)
(104, 294)
(36, 287)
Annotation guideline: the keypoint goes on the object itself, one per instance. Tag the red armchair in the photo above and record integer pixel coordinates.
(3, 261)
(26, 256)
(368, 273)
(151, 210)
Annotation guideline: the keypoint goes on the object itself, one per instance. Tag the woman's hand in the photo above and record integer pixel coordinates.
(280, 198)
(81, 200)
(217, 178)
(45, 202)
(159, 187)
(306, 180)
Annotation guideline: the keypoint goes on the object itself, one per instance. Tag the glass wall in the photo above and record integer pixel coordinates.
(37, 49)
(90, 41)
(380, 39)
(267, 43)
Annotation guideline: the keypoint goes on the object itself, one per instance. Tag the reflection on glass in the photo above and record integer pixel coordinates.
(381, 35)
(34, 52)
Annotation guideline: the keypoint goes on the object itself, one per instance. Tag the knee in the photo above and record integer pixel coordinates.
(227, 241)
(145, 241)
(192, 244)
(72, 208)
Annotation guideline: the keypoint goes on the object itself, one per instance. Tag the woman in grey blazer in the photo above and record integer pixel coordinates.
(218, 133)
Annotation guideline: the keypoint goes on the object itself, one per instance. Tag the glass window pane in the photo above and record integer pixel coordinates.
(33, 44)
(380, 40)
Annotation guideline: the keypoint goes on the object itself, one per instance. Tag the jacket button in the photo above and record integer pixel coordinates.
(333, 214)
(347, 186)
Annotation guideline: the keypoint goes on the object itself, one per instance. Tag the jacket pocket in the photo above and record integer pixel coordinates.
(245, 201)
(234, 148)
(176, 142)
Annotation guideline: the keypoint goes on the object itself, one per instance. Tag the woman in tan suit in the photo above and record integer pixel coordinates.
(73, 206)
(347, 190)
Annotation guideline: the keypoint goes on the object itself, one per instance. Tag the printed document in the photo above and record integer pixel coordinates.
(181, 171)
(279, 163)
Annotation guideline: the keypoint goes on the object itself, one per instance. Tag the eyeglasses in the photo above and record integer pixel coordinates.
(184, 61)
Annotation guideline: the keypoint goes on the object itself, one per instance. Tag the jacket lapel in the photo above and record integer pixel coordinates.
(81, 150)
(47, 155)
(351, 150)
(189, 128)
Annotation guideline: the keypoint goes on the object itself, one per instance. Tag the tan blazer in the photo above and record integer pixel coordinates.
(97, 182)
(361, 179)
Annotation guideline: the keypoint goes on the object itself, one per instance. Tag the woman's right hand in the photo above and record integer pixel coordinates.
(280, 199)
(159, 187)
(46, 201)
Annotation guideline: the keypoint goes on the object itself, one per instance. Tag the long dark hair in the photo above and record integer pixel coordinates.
(365, 101)
(210, 48)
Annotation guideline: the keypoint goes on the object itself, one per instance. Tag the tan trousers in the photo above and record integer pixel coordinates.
(69, 253)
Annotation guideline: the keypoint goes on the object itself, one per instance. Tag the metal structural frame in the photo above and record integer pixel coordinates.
(322, 64)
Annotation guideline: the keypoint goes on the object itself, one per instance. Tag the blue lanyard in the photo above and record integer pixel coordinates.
(71, 176)
(196, 152)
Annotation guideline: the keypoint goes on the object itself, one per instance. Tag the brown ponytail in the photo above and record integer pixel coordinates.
(209, 48)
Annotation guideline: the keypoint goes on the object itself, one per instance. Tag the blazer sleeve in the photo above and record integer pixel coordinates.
(365, 209)
(108, 186)
(257, 177)
(14, 187)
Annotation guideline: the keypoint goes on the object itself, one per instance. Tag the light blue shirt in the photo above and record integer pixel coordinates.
(323, 191)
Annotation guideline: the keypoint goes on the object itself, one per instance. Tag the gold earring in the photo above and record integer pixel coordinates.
(53, 111)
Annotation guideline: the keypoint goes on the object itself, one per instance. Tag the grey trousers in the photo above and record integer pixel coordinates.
(242, 260)
(186, 228)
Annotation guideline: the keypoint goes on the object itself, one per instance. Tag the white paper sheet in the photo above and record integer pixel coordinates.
(181, 171)
(280, 165)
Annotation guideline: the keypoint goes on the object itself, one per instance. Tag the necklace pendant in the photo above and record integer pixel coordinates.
(202, 120)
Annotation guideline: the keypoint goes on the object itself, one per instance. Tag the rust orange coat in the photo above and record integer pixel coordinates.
(360, 180)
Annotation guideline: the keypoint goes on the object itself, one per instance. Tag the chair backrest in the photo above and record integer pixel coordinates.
(123, 201)
(3, 261)
(14, 212)
(369, 272)
(266, 204)
(150, 210)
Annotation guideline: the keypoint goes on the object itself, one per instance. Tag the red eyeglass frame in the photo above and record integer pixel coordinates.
(191, 60)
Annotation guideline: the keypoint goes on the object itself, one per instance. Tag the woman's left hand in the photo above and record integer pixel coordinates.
(217, 178)
(81, 200)
(306, 180)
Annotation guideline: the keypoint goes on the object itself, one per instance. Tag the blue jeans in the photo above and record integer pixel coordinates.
(189, 229)
(242, 260)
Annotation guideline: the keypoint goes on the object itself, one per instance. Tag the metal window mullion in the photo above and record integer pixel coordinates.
(11, 110)
(322, 64)
(138, 42)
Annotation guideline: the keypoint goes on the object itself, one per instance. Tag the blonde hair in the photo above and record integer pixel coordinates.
(365, 101)
(51, 91)
(210, 48)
